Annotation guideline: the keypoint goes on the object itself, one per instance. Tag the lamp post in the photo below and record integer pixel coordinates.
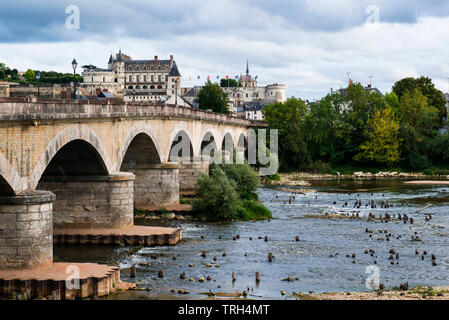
(74, 65)
(38, 76)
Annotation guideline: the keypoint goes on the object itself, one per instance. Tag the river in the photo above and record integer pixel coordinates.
(321, 261)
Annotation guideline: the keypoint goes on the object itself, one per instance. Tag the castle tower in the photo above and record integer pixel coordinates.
(119, 69)
(174, 79)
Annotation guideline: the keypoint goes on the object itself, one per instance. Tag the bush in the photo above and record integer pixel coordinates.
(216, 196)
(250, 210)
(246, 179)
(274, 177)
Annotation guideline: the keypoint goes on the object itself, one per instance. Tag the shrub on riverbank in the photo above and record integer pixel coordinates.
(246, 179)
(216, 196)
(226, 194)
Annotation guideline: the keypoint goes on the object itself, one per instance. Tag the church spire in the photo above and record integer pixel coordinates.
(247, 67)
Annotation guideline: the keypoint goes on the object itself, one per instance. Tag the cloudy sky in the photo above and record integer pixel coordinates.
(309, 45)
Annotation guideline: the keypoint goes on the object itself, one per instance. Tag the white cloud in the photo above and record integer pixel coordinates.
(309, 62)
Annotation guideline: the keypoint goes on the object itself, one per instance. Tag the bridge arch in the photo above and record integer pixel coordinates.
(141, 131)
(180, 135)
(209, 135)
(10, 182)
(70, 134)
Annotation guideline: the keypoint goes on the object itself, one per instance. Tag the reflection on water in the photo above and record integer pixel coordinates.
(319, 260)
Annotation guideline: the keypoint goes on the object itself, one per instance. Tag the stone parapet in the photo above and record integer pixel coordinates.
(31, 109)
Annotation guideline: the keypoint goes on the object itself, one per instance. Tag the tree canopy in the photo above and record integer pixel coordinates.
(212, 97)
(363, 128)
(229, 83)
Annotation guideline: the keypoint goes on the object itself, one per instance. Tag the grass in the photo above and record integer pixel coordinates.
(248, 210)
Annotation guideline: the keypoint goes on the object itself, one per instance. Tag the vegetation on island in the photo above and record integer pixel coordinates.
(363, 129)
(229, 193)
(212, 97)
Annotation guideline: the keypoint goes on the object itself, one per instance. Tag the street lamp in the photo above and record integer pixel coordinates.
(74, 65)
(38, 76)
(134, 95)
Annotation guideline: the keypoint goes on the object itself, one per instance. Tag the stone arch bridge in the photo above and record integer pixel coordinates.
(87, 164)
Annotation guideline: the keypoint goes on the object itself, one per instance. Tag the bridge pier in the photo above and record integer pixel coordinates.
(190, 170)
(26, 230)
(91, 202)
(156, 184)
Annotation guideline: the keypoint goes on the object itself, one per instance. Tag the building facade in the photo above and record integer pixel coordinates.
(135, 80)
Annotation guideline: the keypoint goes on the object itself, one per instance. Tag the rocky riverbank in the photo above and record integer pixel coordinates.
(419, 293)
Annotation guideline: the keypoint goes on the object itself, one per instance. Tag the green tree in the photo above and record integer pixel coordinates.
(29, 75)
(229, 83)
(418, 128)
(288, 117)
(383, 144)
(435, 97)
(211, 96)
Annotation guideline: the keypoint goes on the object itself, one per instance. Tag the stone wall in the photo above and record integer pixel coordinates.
(26, 230)
(189, 172)
(92, 202)
(156, 185)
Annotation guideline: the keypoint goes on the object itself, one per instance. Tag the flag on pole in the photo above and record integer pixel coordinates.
(227, 77)
(208, 77)
(246, 77)
(218, 77)
(199, 77)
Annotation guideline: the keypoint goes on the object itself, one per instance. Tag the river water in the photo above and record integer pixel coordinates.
(320, 262)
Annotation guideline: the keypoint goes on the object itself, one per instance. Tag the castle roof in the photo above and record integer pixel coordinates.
(174, 72)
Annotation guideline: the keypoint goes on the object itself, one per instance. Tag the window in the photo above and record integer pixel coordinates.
(137, 79)
(130, 78)
(166, 78)
(144, 78)
(159, 78)
(103, 79)
(152, 78)
(92, 79)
